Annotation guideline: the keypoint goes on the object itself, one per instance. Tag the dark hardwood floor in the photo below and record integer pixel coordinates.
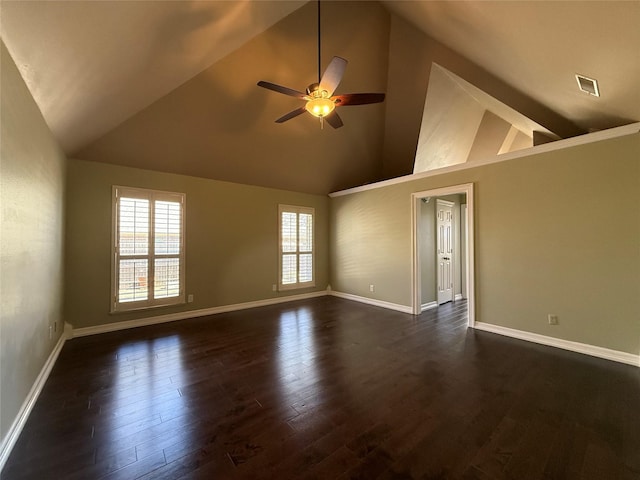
(329, 389)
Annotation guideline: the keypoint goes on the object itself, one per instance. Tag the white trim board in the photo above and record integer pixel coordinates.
(25, 410)
(611, 133)
(468, 190)
(428, 306)
(372, 301)
(172, 317)
(19, 422)
(594, 351)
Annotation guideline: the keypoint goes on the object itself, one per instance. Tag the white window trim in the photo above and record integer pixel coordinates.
(297, 210)
(151, 195)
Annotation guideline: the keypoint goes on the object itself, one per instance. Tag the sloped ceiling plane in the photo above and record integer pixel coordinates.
(171, 85)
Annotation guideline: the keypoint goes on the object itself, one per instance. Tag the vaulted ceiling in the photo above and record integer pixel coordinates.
(171, 85)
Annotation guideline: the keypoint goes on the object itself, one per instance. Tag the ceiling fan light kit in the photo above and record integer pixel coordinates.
(320, 106)
(321, 102)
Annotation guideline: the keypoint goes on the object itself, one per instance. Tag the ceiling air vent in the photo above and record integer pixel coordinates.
(588, 85)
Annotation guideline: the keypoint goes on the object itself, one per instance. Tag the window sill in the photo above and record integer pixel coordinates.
(296, 286)
(139, 308)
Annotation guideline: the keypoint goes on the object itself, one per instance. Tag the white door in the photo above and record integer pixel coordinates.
(444, 250)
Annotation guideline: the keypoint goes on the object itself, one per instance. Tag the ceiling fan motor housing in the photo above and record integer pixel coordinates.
(319, 96)
(312, 89)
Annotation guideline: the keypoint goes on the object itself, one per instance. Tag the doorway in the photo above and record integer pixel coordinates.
(465, 256)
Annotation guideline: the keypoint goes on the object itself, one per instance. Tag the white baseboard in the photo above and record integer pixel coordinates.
(428, 306)
(371, 301)
(172, 317)
(69, 332)
(600, 352)
(458, 296)
(19, 422)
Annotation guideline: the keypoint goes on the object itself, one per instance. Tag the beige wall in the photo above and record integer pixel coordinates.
(31, 236)
(411, 53)
(222, 126)
(489, 138)
(449, 124)
(408, 75)
(520, 142)
(231, 240)
(543, 223)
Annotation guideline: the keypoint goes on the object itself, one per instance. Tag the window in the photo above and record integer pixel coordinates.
(148, 248)
(296, 247)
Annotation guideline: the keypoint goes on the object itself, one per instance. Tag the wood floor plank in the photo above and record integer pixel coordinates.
(328, 389)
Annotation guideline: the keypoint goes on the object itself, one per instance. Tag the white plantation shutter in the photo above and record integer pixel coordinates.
(305, 259)
(133, 246)
(148, 248)
(168, 240)
(133, 280)
(296, 247)
(289, 245)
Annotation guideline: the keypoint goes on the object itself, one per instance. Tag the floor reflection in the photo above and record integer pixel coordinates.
(296, 353)
(148, 406)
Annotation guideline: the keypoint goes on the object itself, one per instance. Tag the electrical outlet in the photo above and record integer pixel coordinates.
(50, 332)
(553, 319)
(274, 288)
(190, 298)
(372, 288)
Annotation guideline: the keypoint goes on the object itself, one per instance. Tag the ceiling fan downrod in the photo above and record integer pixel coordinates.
(319, 47)
(319, 97)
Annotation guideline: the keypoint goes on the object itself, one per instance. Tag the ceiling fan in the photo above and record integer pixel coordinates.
(320, 98)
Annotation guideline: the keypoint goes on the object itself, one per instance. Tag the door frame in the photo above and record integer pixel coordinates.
(416, 198)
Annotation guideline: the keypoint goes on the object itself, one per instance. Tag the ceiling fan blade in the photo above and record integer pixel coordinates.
(334, 119)
(290, 115)
(357, 99)
(333, 74)
(280, 89)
